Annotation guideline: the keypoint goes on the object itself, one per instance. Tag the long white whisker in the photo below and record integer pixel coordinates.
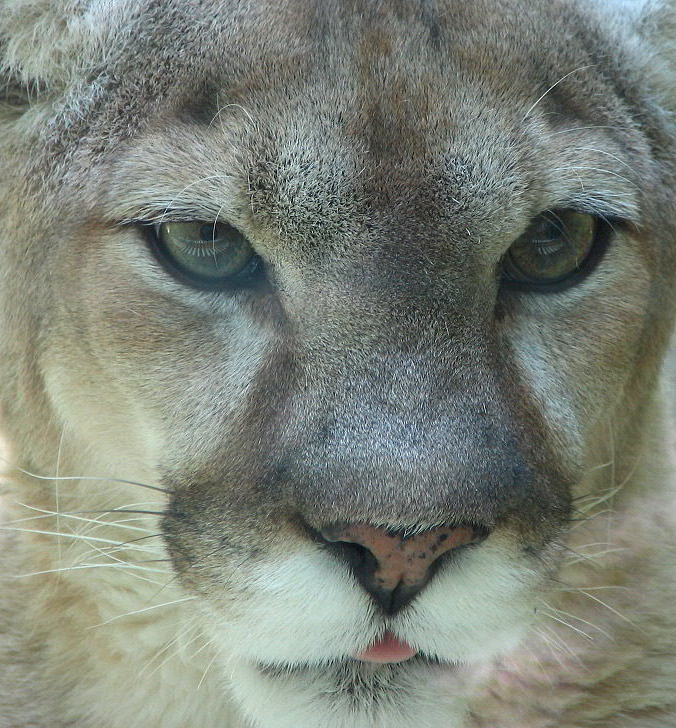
(213, 659)
(560, 644)
(555, 646)
(608, 154)
(600, 466)
(91, 566)
(611, 609)
(580, 128)
(588, 168)
(56, 490)
(553, 86)
(567, 624)
(221, 109)
(591, 517)
(75, 536)
(563, 614)
(192, 627)
(171, 203)
(73, 517)
(84, 477)
(142, 611)
(591, 588)
(110, 550)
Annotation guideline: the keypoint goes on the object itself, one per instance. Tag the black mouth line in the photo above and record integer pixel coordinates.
(350, 664)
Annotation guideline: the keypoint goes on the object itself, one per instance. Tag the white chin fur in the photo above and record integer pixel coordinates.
(306, 618)
(351, 695)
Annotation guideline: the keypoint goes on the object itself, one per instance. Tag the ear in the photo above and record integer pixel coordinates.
(646, 33)
(660, 34)
(45, 45)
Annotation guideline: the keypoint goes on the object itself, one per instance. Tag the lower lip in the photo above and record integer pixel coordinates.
(387, 649)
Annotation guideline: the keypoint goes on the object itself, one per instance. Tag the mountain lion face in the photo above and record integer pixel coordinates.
(362, 292)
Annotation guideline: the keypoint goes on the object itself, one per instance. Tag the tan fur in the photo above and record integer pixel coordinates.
(171, 454)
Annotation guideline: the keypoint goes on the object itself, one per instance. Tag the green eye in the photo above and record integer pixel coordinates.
(203, 254)
(558, 245)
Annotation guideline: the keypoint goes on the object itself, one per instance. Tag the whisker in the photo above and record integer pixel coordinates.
(199, 651)
(554, 640)
(591, 517)
(122, 510)
(85, 477)
(144, 610)
(91, 566)
(119, 548)
(213, 659)
(587, 168)
(602, 498)
(565, 614)
(567, 624)
(592, 588)
(579, 557)
(553, 86)
(172, 202)
(554, 645)
(109, 552)
(611, 609)
(124, 546)
(608, 154)
(56, 489)
(163, 650)
(580, 128)
(73, 536)
(221, 109)
(73, 515)
(600, 466)
(193, 626)
(142, 538)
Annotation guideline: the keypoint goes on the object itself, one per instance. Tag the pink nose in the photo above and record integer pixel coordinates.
(393, 566)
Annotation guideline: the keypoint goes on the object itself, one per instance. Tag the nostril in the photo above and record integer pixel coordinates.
(358, 557)
(393, 566)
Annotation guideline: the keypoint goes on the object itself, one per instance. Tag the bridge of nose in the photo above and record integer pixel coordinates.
(423, 457)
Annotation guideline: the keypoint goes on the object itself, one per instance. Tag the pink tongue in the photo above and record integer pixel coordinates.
(387, 649)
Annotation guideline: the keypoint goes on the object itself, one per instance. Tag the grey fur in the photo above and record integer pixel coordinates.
(381, 156)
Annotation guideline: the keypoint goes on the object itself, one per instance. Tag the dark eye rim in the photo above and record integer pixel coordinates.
(605, 228)
(250, 277)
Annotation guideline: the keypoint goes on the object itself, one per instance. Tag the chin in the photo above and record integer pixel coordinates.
(419, 692)
(291, 655)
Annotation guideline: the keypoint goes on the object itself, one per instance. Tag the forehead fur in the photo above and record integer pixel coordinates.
(100, 60)
(49, 44)
(103, 80)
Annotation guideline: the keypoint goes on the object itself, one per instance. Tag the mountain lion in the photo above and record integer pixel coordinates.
(331, 340)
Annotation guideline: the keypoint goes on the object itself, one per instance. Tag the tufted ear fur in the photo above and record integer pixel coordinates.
(662, 35)
(646, 33)
(47, 44)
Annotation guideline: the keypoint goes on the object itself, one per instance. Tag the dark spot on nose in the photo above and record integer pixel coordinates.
(393, 566)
